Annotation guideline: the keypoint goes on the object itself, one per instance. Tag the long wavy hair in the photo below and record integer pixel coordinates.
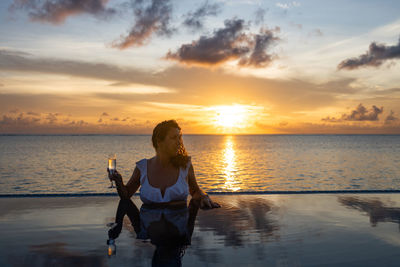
(181, 159)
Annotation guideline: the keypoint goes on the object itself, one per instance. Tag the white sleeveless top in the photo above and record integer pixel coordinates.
(150, 194)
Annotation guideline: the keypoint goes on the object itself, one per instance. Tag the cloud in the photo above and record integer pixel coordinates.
(391, 118)
(57, 11)
(225, 44)
(228, 43)
(32, 113)
(219, 88)
(194, 20)
(362, 114)
(18, 61)
(287, 5)
(149, 19)
(316, 32)
(386, 92)
(41, 102)
(259, 57)
(296, 25)
(51, 117)
(79, 123)
(20, 120)
(359, 114)
(49, 124)
(375, 56)
(259, 15)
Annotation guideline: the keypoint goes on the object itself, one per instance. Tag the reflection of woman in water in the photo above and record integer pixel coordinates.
(169, 228)
(168, 177)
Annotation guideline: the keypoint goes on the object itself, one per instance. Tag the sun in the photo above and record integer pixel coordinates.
(233, 116)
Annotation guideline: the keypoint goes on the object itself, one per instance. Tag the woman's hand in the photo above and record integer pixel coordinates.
(199, 195)
(114, 176)
(207, 203)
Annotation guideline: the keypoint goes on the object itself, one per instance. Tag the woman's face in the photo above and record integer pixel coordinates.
(172, 142)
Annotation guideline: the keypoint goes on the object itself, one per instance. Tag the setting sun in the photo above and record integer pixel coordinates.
(231, 116)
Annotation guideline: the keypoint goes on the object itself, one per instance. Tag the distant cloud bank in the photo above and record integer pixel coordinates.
(56, 123)
(361, 113)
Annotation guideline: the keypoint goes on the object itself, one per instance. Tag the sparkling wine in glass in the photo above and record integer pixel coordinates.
(112, 166)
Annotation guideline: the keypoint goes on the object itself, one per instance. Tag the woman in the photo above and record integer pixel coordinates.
(166, 178)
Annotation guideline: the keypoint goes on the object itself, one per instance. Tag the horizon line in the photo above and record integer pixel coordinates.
(272, 192)
(192, 134)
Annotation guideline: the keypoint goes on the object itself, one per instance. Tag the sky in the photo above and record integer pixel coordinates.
(216, 66)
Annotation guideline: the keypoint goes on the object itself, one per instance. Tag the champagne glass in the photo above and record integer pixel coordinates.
(112, 166)
(112, 247)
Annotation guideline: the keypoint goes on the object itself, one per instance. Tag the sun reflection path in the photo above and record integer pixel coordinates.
(230, 167)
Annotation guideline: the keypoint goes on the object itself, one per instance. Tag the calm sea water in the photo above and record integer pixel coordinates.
(77, 164)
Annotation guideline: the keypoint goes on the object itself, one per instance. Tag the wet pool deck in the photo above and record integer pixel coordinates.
(249, 230)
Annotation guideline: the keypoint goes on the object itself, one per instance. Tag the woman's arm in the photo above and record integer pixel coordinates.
(194, 188)
(197, 193)
(126, 191)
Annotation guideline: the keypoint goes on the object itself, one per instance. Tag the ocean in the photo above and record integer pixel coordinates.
(76, 164)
